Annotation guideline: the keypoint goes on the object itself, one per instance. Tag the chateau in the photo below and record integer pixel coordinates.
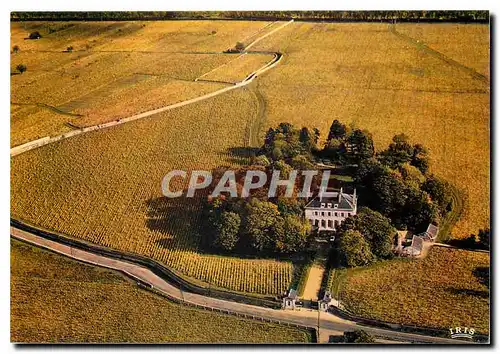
(327, 211)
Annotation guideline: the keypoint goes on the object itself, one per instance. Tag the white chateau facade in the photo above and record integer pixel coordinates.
(328, 212)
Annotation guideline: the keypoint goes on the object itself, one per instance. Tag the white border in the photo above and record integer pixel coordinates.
(186, 5)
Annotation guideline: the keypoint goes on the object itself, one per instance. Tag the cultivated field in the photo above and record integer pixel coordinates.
(368, 75)
(446, 289)
(117, 69)
(55, 299)
(107, 189)
(105, 186)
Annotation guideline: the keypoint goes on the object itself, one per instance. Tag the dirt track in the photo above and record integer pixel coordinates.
(313, 285)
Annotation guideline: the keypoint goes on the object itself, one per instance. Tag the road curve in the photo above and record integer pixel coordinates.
(144, 275)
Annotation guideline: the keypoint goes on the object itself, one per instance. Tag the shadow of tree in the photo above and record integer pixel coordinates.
(175, 218)
(483, 275)
(242, 155)
(335, 339)
(469, 292)
(243, 151)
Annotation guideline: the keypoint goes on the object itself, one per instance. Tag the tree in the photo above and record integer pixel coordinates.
(286, 142)
(239, 46)
(388, 194)
(440, 192)
(258, 224)
(227, 230)
(15, 49)
(335, 150)
(337, 131)
(69, 49)
(359, 145)
(290, 206)
(21, 68)
(419, 211)
(301, 162)
(35, 35)
(420, 158)
(377, 230)
(261, 160)
(283, 167)
(484, 238)
(412, 176)
(398, 153)
(358, 336)
(291, 233)
(308, 139)
(354, 249)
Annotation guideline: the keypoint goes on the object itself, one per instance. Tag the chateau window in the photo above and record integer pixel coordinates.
(322, 213)
(330, 224)
(329, 213)
(342, 214)
(322, 205)
(336, 206)
(323, 223)
(329, 205)
(336, 214)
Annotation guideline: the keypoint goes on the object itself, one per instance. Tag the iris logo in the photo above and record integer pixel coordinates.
(462, 332)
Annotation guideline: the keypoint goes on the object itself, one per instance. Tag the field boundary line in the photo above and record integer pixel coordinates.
(257, 40)
(258, 31)
(220, 66)
(448, 60)
(47, 106)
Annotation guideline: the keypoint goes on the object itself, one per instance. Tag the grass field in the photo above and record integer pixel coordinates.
(105, 186)
(56, 299)
(443, 290)
(370, 76)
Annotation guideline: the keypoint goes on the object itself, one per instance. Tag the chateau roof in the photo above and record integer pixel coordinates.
(343, 201)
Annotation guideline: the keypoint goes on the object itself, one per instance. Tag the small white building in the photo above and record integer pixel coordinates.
(324, 303)
(328, 212)
(290, 300)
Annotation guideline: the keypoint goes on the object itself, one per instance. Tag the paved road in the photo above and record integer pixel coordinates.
(328, 322)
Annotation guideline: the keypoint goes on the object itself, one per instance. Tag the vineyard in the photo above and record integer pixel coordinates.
(116, 70)
(107, 189)
(368, 75)
(55, 299)
(445, 289)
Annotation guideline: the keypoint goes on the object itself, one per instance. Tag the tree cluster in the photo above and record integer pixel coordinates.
(396, 184)
(365, 237)
(21, 68)
(290, 145)
(462, 15)
(257, 225)
(347, 145)
(35, 35)
(358, 336)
